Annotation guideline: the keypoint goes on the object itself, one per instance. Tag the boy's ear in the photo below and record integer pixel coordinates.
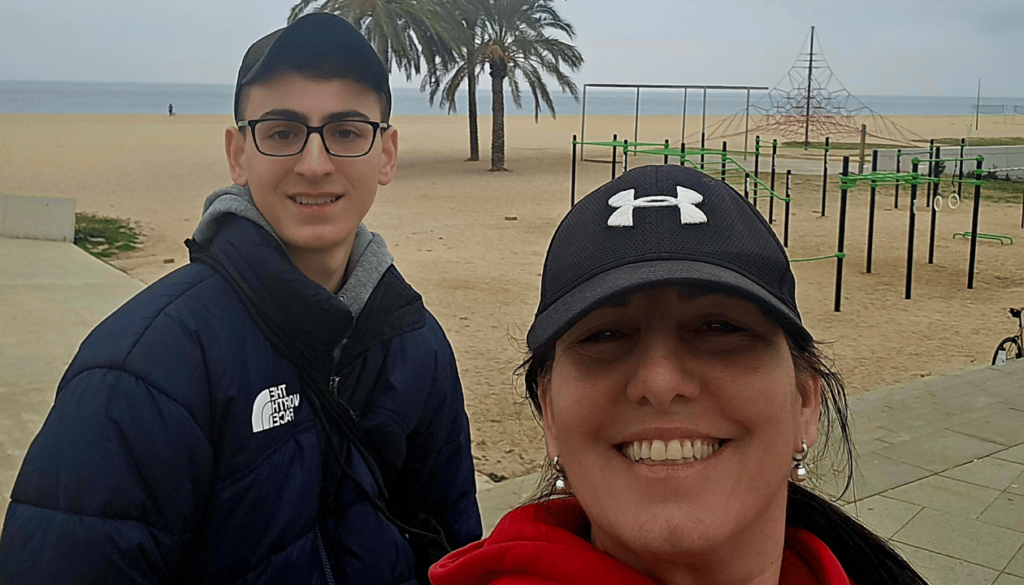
(234, 148)
(389, 156)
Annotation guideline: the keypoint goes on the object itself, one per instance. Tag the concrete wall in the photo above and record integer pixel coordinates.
(37, 218)
(996, 157)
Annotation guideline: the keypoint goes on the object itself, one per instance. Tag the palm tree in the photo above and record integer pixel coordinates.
(405, 33)
(515, 40)
(469, 63)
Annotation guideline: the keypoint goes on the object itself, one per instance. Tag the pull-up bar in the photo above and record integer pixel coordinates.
(685, 88)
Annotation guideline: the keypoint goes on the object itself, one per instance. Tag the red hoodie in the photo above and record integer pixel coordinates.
(541, 544)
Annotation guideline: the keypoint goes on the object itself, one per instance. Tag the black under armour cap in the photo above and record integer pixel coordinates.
(662, 225)
(313, 40)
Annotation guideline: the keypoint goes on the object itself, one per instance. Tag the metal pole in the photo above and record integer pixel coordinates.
(771, 198)
(824, 178)
(974, 226)
(810, 78)
(910, 231)
(625, 156)
(757, 164)
(977, 108)
(664, 159)
(960, 185)
(583, 120)
(863, 140)
(931, 155)
(572, 193)
(842, 236)
(636, 117)
(702, 137)
(725, 150)
(682, 154)
(746, 127)
(746, 185)
(703, 115)
(615, 138)
(789, 198)
(682, 137)
(896, 190)
(871, 210)
(935, 193)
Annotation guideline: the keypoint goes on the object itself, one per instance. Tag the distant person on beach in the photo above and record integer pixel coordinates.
(281, 410)
(680, 396)
(170, 109)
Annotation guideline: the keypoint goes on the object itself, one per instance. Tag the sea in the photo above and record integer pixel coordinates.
(79, 97)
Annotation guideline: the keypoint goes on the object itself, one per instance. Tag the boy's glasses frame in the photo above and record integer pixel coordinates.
(375, 126)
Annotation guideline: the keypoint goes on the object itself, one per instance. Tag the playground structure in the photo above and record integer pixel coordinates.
(722, 165)
(813, 105)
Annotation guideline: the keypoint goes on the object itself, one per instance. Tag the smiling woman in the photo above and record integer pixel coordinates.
(679, 393)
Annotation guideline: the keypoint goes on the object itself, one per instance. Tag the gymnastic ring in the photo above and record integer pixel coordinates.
(937, 203)
(950, 201)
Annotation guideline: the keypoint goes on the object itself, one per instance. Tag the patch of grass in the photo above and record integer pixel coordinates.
(105, 237)
(1003, 141)
(1000, 190)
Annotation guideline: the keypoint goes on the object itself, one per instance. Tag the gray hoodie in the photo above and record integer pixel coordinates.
(367, 263)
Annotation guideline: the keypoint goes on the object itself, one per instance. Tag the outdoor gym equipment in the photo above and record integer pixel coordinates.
(915, 179)
(824, 164)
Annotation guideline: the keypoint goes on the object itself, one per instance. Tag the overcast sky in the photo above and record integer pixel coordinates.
(875, 47)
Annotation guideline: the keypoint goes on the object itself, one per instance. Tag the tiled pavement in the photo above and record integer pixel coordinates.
(940, 464)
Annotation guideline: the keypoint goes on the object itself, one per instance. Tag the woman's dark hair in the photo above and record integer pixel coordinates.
(865, 556)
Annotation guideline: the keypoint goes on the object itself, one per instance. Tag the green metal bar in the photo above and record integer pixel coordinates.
(732, 165)
(982, 236)
(836, 255)
(880, 179)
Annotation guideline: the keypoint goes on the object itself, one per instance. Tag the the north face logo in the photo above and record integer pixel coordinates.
(273, 408)
(686, 200)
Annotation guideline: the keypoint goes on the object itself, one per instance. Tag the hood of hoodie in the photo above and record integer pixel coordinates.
(367, 262)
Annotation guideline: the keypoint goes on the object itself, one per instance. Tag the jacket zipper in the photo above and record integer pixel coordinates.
(323, 556)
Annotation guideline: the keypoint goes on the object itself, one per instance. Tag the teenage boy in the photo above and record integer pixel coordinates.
(281, 410)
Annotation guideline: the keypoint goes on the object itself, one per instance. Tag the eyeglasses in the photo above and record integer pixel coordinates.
(344, 138)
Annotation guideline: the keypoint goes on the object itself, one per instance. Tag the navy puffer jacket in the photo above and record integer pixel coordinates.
(182, 448)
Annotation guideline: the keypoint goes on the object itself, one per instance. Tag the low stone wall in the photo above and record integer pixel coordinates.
(37, 218)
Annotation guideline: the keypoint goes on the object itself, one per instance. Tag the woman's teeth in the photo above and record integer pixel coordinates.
(314, 200)
(682, 450)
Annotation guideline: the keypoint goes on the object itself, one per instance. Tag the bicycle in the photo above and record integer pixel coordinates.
(1011, 348)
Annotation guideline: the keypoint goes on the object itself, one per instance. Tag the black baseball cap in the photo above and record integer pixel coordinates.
(662, 225)
(313, 40)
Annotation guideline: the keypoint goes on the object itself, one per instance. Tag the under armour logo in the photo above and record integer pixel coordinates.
(686, 200)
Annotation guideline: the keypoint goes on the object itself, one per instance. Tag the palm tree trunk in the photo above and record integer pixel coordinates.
(498, 70)
(474, 132)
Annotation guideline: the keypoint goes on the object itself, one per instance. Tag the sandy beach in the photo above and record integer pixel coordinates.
(473, 241)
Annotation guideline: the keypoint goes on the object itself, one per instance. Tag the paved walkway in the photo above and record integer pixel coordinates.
(940, 463)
